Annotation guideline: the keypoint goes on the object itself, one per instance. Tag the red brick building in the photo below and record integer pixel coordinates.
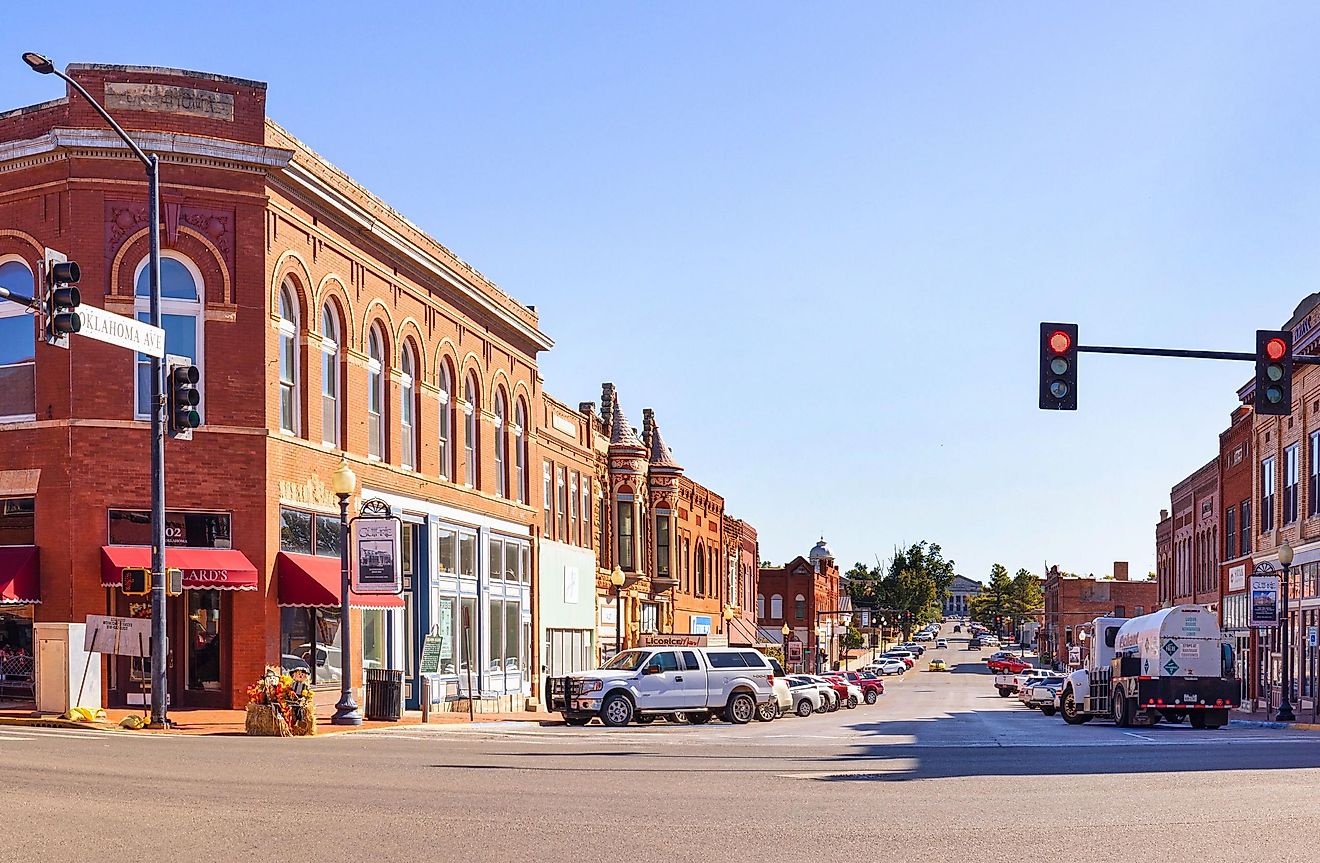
(1071, 601)
(805, 593)
(1194, 504)
(1235, 478)
(325, 324)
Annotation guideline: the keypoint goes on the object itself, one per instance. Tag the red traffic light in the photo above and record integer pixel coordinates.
(1060, 342)
(1275, 349)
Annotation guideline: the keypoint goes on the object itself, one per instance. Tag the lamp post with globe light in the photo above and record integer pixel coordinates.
(617, 579)
(728, 618)
(785, 630)
(344, 482)
(1285, 713)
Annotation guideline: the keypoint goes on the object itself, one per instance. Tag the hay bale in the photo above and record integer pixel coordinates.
(266, 720)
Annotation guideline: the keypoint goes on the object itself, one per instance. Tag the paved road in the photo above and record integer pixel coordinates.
(940, 769)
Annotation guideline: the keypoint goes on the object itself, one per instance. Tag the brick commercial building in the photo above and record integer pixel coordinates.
(1194, 574)
(806, 594)
(1071, 601)
(1235, 478)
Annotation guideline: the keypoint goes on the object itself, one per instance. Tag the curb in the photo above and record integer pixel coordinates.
(53, 722)
(1255, 723)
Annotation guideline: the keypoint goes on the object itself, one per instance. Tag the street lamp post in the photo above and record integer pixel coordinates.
(1285, 713)
(616, 579)
(784, 631)
(159, 636)
(728, 618)
(343, 482)
(820, 656)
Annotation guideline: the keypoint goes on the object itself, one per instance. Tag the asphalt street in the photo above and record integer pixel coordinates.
(940, 769)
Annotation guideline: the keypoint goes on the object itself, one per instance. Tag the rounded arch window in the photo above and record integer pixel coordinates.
(181, 290)
(520, 451)
(330, 360)
(375, 393)
(501, 444)
(18, 345)
(445, 431)
(407, 405)
(470, 408)
(288, 360)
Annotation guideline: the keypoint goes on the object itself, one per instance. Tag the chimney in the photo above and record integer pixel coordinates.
(1120, 570)
(648, 425)
(1164, 513)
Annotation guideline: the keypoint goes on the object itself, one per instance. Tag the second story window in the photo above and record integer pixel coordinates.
(1267, 495)
(330, 359)
(1230, 533)
(289, 376)
(585, 539)
(627, 560)
(700, 587)
(18, 346)
(407, 408)
(1291, 484)
(548, 500)
(561, 491)
(1244, 527)
(520, 451)
(776, 607)
(375, 395)
(1313, 485)
(180, 317)
(573, 533)
(501, 445)
(800, 607)
(470, 408)
(445, 426)
(662, 546)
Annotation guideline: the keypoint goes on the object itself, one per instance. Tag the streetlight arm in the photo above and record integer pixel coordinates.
(132, 145)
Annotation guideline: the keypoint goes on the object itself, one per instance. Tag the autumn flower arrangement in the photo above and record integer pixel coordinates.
(280, 704)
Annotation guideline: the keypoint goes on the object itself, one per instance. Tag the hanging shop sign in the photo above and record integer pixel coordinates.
(376, 541)
(1264, 601)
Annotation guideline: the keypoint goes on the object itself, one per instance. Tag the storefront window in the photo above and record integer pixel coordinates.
(525, 552)
(511, 561)
(329, 535)
(447, 628)
(15, 632)
(18, 521)
(310, 636)
(374, 654)
(467, 632)
(203, 654)
(190, 529)
(496, 558)
(295, 531)
(504, 635)
(467, 554)
(446, 550)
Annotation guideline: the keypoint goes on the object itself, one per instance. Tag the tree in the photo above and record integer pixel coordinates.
(1025, 596)
(913, 584)
(993, 600)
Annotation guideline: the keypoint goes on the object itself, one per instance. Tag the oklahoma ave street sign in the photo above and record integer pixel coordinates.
(121, 331)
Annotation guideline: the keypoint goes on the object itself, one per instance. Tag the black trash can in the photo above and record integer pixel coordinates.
(384, 694)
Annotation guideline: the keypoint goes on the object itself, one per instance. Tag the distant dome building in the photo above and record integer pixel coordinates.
(820, 552)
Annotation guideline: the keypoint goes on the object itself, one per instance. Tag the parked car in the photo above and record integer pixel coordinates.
(871, 685)
(1041, 693)
(808, 697)
(886, 667)
(941, 644)
(957, 627)
(840, 687)
(829, 698)
(1008, 665)
(923, 636)
(783, 701)
(646, 683)
(903, 656)
(851, 694)
(913, 647)
(1008, 683)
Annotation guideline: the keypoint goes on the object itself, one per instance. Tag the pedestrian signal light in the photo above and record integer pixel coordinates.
(173, 582)
(136, 581)
(1058, 367)
(1274, 363)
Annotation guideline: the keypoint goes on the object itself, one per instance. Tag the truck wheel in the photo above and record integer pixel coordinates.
(1121, 709)
(1071, 714)
(1216, 719)
(1004, 691)
(1047, 709)
(871, 696)
(617, 711)
(645, 719)
(577, 721)
(766, 712)
(804, 708)
(1197, 718)
(740, 709)
(701, 717)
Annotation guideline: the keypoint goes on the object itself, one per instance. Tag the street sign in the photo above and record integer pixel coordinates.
(1311, 637)
(121, 331)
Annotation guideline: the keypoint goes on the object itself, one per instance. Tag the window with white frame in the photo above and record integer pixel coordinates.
(547, 500)
(573, 507)
(330, 359)
(1313, 486)
(501, 445)
(776, 606)
(375, 394)
(18, 345)
(520, 451)
(1267, 495)
(1291, 483)
(470, 431)
(800, 607)
(289, 376)
(407, 403)
(445, 427)
(181, 290)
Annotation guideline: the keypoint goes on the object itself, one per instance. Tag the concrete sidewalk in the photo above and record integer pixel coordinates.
(231, 723)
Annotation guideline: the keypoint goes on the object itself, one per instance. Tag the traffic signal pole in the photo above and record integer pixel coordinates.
(159, 638)
(1186, 354)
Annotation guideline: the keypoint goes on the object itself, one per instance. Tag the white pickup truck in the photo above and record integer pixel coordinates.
(1008, 684)
(645, 683)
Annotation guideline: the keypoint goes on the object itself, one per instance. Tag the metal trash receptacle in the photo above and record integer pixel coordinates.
(384, 694)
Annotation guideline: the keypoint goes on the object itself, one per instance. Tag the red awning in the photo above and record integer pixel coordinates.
(19, 582)
(203, 568)
(311, 581)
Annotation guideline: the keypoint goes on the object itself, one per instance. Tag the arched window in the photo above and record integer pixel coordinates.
(701, 571)
(330, 359)
(520, 458)
(407, 408)
(375, 394)
(760, 606)
(180, 317)
(18, 346)
(446, 424)
(501, 445)
(776, 607)
(470, 408)
(289, 373)
(800, 607)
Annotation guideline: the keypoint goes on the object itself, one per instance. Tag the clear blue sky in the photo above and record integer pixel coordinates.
(818, 238)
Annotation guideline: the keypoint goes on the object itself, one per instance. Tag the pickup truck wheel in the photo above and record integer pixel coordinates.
(1004, 691)
(766, 712)
(804, 708)
(1121, 709)
(617, 711)
(700, 717)
(1047, 709)
(871, 696)
(852, 702)
(577, 721)
(740, 709)
(1071, 714)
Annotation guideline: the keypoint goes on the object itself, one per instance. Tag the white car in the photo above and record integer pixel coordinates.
(923, 636)
(887, 667)
(1042, 694)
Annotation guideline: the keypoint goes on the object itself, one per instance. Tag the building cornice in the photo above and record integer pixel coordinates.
(169, 146)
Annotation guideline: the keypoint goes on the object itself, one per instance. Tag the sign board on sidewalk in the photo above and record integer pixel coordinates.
(1264, 601)
(378, 569)
(121, 636)
(432, 646)
(121, 331)
(795, 651)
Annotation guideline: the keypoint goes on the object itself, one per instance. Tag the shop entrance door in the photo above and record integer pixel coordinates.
(204, 680)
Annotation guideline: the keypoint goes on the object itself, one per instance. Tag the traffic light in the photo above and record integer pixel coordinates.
(173, 582)
(183, 399)
(60, 299)
(1274, 362)
(136, 580)
(1058, 367)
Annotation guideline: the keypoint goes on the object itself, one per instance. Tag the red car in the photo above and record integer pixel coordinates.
(872, 687)
(1010, 665)
(839, 684)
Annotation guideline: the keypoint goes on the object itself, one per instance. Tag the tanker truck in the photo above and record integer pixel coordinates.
(1170, 665)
